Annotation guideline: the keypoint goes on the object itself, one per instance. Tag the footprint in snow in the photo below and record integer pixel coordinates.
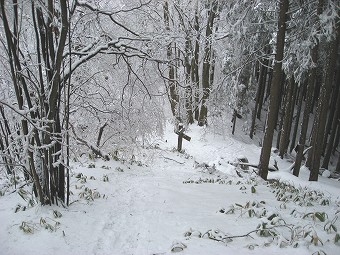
(178, 247)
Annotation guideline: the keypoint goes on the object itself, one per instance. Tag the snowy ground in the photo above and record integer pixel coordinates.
(173, 203)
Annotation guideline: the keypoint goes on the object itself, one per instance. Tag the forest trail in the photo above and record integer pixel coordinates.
(141, 211)
(152, 208)
(147, 206)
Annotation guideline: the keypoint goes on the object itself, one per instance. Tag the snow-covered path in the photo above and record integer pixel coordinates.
(148, 213)
(148, 209)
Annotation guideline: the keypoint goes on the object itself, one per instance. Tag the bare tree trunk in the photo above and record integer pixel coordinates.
(281, 111)
(20, 86)
(280, 123)
(187, 69)
(7, 160)
(195, 66)
(5, 141)
(263, 86)
(259, 96)
(270, 80)
(275, 91)
(188, 90)
(173, 94)
(287, 121)
(338, 166)
(337, 138)
(322, 108)
(100, 134)
(207, 64)
(67, 97)
(332, 115)
(309, 103)
(301, 93)
(330, 144)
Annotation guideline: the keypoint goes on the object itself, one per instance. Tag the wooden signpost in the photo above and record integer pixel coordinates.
(181, 135)
(233, 120)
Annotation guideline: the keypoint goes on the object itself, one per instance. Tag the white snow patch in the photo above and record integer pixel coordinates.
(169, 205)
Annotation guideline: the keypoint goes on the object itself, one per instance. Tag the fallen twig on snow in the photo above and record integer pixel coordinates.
(173, 160)
(271, 168)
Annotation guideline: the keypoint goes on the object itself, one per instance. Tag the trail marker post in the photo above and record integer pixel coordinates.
(236, 115)
(181, 135)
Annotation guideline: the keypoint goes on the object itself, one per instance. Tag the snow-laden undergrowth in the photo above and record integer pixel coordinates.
(162, 201)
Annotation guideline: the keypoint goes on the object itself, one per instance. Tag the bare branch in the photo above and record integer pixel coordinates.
(111, 13)
(92, 147)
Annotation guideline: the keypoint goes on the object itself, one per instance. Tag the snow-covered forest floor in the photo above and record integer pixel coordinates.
(195, 202)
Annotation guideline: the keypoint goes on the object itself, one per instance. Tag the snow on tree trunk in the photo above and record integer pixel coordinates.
(207, 64)
(319, 124)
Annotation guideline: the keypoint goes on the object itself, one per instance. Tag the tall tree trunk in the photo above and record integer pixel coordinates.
(281, 111)
(20, 86)
(322, 108)
(309, 101)
(195, 65)
(275, 91)
(257, 102)
(335, 122)
(7, 160)
(280, 123)
(67, 97)
(330, 144)
(173, 94)
(333, 101)
(259, 95)
(188, 89)
(270, 80)
(287, 120)
(338, 166)
(301, 93)
(187, 69)
(7, 141)
(264, 81)
(337, 138)
(56, 171)
(206, 78)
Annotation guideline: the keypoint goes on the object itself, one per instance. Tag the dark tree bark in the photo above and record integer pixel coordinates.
(257, 101)
(188, 89)
(173, 93)
(337, 138)
(322, 108)
(195, 66)
(5, 140)
(67, 121)
(280, 123)
(51, 46)
(275, 91)
(39, 83)
(287, 120)
(100, 134)
(338, 166)
(317, 88)
(270, 80)
(301, 93)
(207, 65)
(259, 96)
(309, 103)
(330, 144)
(265, 82)
(333, 101)
(19, 83)
(7, 160)
(332, 110)
(187, 55)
